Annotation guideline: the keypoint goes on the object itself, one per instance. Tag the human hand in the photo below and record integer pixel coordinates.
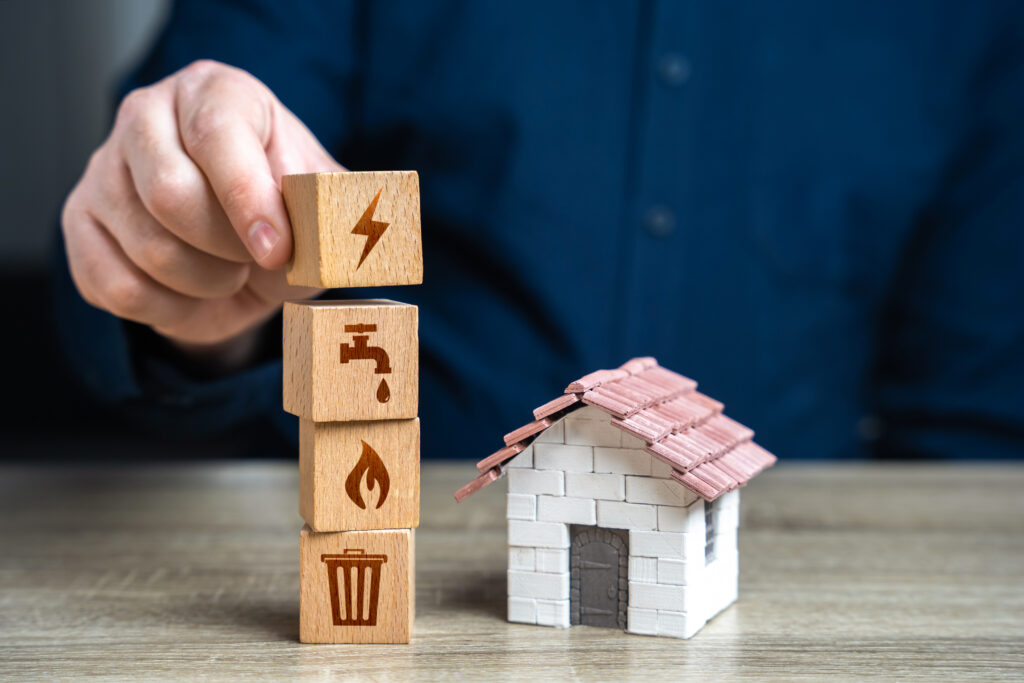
(178, 221)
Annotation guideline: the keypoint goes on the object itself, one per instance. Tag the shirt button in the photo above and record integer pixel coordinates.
(660, 221)
(674, 69)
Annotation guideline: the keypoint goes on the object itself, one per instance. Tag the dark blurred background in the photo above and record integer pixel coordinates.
(60, 61)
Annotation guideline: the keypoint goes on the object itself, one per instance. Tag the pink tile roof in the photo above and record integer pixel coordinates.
(710, 454)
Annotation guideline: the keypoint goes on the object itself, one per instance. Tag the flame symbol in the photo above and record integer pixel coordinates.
(373, 467)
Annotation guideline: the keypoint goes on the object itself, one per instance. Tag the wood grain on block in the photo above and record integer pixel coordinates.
(355, 229)
(351, 360)
(359, 475)
(356, 586)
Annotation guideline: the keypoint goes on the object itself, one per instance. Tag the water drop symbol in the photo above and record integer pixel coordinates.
(383, 391)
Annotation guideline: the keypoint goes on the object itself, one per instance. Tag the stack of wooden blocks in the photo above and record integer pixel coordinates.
(351, 374)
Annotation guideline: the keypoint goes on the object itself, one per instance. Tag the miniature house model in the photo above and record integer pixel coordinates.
(622, 504)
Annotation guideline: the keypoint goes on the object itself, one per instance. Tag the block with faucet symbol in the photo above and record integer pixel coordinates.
(356, 586)
(351, 360)
(355, 229)
(359, 475)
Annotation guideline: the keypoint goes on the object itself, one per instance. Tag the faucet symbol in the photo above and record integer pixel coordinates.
(360, 350)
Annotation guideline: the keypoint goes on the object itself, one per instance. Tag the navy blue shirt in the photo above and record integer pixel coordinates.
(813, 208)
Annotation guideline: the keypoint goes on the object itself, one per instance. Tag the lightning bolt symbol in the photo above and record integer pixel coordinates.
(371, 228)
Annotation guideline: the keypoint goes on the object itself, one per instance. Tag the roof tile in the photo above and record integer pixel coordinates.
(500, 456)
(477, 484)
(595, 379)
(709, 452)
(527, 430)
(555, 405)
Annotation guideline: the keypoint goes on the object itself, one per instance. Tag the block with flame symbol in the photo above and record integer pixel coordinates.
(359, 475)
(351, 360)
(356, 586)
(355, 229)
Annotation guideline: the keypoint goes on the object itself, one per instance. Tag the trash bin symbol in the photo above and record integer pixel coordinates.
(356, 569)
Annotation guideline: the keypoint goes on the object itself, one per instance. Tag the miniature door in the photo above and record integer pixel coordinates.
(598, 566)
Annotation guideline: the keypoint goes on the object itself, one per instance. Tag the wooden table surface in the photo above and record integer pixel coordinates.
(172, 571)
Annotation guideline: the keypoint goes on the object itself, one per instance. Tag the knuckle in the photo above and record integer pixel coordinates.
(134, 105)
(127, 296)
(204, 124)
(167, 192)
(159, 257)
(201, 69)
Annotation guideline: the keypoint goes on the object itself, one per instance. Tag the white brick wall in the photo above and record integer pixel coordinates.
(521, 506)
(657, 544)
(596, 486)
(642, 621)
(553, 613)
(615, 515)
(630, 441)
(658, 491)
(622, 461)
(643, 569)
(536, 482)
(539, 585)
(522, 610)
(556, 456)
(553, 434)
(553, 560)
(678, 624)
(538, 534)
(567, 510)
(658, 596)
(660, 468)
(679, 572)
(522, 558)
(524, 459)
(592, 432)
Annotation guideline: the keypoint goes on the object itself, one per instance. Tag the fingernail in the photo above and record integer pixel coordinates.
(262, 240)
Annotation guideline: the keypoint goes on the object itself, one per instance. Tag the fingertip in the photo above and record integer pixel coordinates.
(268, 245)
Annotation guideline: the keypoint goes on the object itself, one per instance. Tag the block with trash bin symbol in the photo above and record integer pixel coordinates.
(354, 578)
(356, 586)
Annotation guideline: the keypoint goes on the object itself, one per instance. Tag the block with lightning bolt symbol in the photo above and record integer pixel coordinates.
(354, 229)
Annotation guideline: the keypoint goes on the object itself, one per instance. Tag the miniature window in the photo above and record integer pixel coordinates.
(709, 532)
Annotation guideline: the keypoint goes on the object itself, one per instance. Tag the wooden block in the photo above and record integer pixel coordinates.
(350, 360)
(359, 475)
(356, 586)
(358, 229)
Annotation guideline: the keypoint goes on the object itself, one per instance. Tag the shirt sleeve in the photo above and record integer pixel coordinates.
(304, 52)
(953, 333)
